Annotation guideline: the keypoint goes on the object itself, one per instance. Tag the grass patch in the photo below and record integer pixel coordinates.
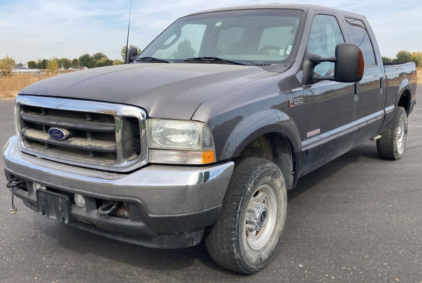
(419, 76)
(11, 85)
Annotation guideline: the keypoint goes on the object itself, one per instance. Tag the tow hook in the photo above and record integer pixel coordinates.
(11, 184)
(107, 208)
(114, 209)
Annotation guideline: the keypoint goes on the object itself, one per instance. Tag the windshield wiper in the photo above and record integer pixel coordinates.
(152, 59)
(215, 59)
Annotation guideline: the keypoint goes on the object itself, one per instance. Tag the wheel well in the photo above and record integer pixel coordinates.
(405, 101)
(276, 148)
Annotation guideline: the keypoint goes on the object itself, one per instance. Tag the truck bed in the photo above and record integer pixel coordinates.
(400, 79)
(397, 77)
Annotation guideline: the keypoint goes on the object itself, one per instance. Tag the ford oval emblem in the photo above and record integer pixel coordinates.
(59, 134)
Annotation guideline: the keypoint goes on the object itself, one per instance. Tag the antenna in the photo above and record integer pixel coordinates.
(128, 27)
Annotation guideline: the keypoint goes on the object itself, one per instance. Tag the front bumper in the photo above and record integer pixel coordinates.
(170, 205)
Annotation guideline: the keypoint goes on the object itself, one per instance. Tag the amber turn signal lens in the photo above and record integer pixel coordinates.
(361, 64)
(208, 157)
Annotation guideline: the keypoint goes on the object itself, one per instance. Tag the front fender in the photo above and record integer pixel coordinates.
(253, 126)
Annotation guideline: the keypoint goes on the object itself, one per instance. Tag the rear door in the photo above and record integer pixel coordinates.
(369, 98)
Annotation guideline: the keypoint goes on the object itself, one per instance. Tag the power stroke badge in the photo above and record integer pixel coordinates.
(295, 102)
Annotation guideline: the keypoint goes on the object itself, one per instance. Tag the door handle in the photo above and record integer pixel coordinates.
(381, 85)
(357, 85)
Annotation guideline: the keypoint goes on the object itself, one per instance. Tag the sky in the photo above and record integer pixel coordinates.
(37, 29)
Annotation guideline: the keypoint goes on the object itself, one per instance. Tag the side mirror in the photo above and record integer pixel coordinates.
(131, 55)
(349, 64)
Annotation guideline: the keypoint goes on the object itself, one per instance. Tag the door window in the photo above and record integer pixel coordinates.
(324, 37)
(361, 38)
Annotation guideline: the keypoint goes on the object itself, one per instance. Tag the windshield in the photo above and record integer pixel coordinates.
(250, 36)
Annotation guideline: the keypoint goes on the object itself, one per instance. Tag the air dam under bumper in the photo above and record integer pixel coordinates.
(170, 205)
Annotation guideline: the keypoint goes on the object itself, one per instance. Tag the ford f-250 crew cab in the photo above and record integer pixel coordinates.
(202, 134)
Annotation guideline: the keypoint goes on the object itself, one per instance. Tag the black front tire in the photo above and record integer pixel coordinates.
(233, 242)
(392, 143)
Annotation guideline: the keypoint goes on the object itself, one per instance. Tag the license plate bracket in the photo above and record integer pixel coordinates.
(53, 205)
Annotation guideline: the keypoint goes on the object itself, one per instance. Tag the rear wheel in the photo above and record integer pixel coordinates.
(249, 229)
(392, 143)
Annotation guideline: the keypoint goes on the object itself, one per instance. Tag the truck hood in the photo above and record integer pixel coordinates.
(163, 90)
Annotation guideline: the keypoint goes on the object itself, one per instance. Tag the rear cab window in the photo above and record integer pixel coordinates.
(360, 36)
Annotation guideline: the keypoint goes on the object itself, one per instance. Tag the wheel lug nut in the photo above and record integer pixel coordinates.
(250, 227)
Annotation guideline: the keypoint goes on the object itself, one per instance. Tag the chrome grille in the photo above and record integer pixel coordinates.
(101, 135)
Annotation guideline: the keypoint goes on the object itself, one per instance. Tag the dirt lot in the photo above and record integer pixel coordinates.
(11, 85)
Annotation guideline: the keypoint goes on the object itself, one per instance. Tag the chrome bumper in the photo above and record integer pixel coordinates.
(161, 192)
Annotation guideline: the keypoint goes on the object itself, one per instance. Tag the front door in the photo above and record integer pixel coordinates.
(329, 105)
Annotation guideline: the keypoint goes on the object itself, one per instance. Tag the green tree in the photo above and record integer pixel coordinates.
(7, 64)
(42, 64)
(32, 64)
(118, 62)
(103, 62)
(98, 56)
(404, 56)
(75, 63)
(386, 59)
(66, 64)
(59, 62)
(184, 50)
(52, 65)
(86, 61)
(124, 51)
(417, 58)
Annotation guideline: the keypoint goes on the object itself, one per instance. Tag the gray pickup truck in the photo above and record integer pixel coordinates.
(203, 133)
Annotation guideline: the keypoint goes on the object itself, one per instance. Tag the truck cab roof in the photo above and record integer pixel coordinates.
(303, 7)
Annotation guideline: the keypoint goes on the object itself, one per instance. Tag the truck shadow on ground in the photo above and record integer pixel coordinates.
(85, 243)
(366, 151)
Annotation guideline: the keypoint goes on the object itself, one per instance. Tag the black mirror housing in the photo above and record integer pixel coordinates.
(131, 55)
(350, 63)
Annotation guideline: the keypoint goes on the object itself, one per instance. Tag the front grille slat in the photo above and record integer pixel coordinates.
(78, 143)
(70, 123)
(136, 137)
(96, 134)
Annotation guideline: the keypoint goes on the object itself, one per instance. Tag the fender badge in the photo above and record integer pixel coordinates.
(59, 134)
(295, 102)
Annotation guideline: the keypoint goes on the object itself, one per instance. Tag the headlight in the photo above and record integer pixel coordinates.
(180, 142)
